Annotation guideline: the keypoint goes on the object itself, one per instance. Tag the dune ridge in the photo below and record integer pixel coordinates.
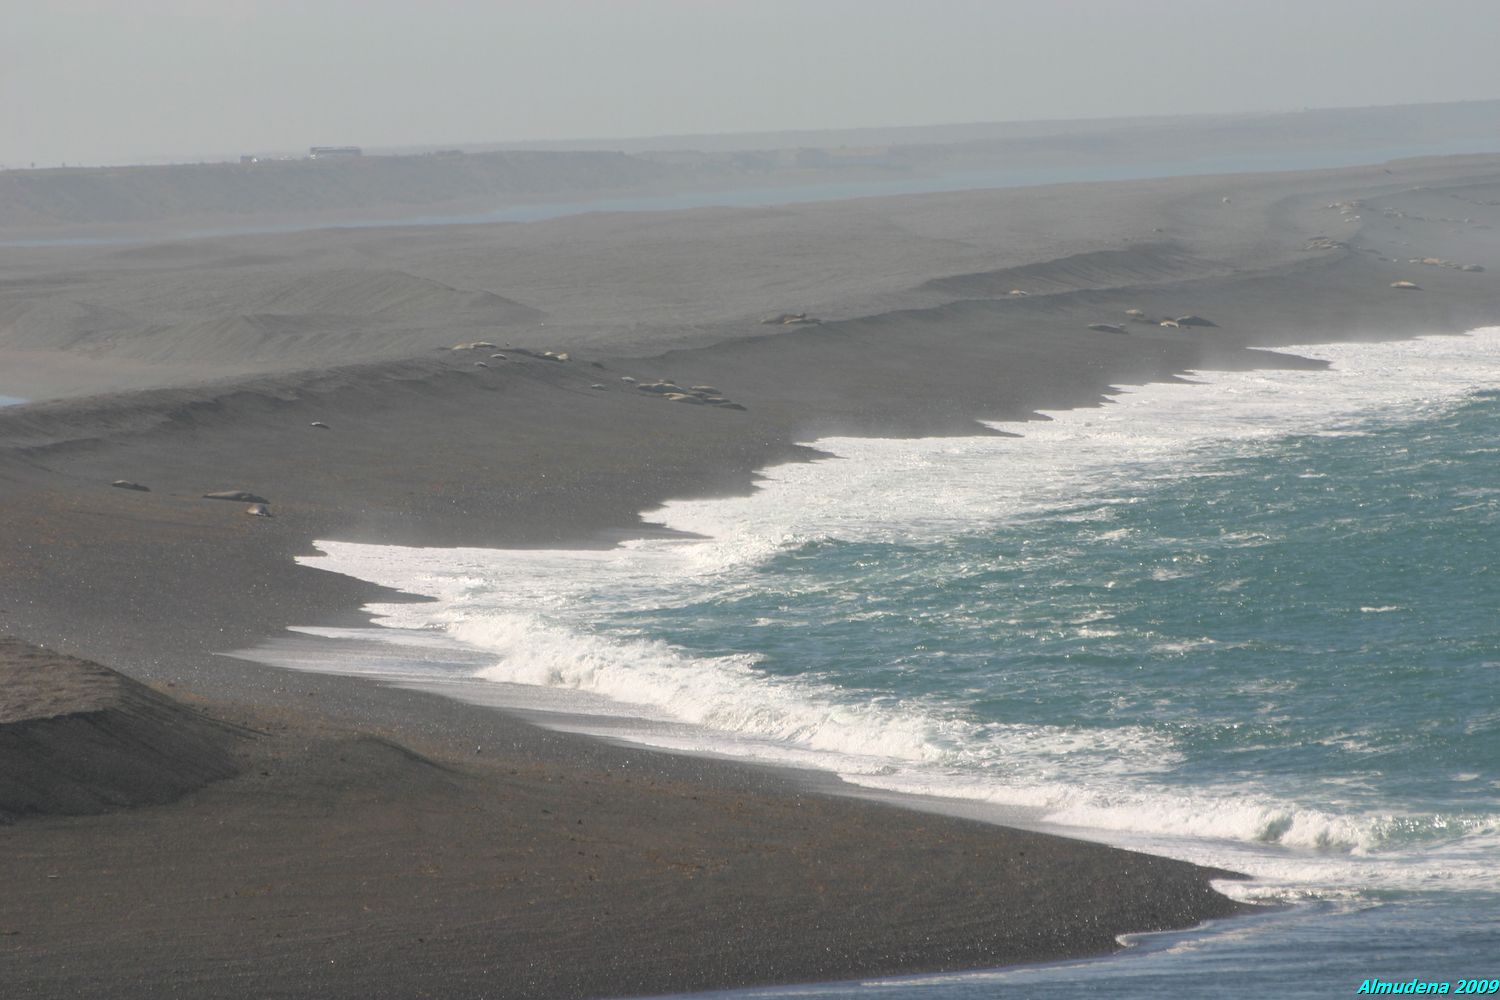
(77, 738)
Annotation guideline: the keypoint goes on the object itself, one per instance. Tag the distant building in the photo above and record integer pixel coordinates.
(323, 152)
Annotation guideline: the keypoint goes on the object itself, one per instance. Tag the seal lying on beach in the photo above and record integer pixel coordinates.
(243, 496)
(125, 484)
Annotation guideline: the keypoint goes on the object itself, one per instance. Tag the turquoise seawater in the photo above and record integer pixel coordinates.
(1317, 623)
(1315, 620)
(1253, 623)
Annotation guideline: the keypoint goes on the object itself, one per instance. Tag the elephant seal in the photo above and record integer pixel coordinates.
(242, 496)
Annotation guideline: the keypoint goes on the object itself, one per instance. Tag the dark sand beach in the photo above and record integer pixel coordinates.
(292, 834)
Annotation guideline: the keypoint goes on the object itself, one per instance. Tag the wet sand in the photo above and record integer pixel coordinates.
(362, 826)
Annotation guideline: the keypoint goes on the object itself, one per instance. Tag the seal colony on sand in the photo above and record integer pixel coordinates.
(488, 864)
(698, 395)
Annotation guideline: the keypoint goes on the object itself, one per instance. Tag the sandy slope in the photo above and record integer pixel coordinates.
(77, 738)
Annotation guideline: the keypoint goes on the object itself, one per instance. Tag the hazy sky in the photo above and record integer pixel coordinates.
(91, 81)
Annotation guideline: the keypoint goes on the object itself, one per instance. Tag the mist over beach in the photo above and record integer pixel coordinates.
(601, 500)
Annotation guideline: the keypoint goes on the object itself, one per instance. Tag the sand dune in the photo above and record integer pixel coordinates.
(79, 738)
(260, 319)
(47, 198)
(638, 285)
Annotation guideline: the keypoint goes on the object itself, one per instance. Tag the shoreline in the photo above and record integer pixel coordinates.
(565, 833)
(649, 721)
(91, 570)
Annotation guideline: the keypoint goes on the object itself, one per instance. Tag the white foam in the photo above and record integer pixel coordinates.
(532, 612)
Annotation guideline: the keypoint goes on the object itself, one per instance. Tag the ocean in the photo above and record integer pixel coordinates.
(1251, 620)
